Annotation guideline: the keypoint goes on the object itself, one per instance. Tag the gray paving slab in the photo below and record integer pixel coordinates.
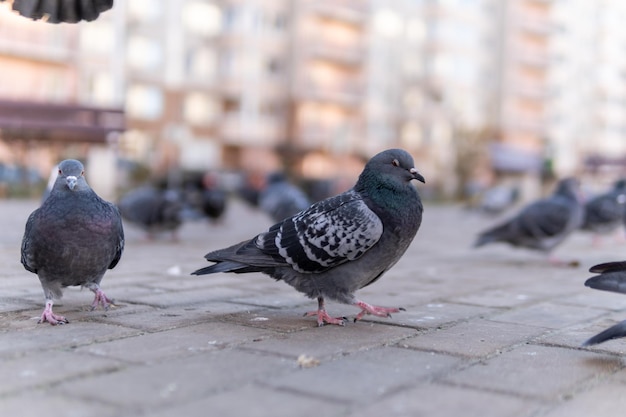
(489, 332)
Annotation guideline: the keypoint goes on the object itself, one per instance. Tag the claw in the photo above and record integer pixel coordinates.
(375, 310)
(323, 317)
(50, 317)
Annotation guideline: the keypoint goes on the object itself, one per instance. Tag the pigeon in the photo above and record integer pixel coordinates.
(66, 11)
(612, 278)
(213, 197)
(340, 244)
(541, 225)
(281, 199)
(152, 210)
(72, 239)
(605, 212)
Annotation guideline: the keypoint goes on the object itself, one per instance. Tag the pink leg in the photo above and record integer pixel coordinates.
(50, 317)
(375, 310)
(101, 299)
(322, 315)
(574, 263)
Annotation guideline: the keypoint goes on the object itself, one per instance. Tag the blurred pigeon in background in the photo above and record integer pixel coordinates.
(497, 199)
(612, 278)
(605, 213)
(340, 244)
(214, 198)
(281, 199)
(541, 225)
(61, 11)
(152, 209)
(72, 239)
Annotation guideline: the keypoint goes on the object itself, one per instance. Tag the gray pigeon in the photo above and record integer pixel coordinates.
(605, 212)
(612, 278)
(281, 199)
(541, 225)
(152, 209)
(340, 244)
(72, 239)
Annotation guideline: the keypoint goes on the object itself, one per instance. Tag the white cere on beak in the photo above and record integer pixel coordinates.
(71, 181)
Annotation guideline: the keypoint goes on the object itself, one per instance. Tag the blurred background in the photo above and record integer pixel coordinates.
(483, 93)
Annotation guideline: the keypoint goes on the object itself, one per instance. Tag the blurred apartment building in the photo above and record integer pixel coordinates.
(318, 85)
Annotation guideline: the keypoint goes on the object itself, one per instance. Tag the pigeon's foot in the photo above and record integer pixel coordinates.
(375, 310)
(50, 317)
(322, 315)
(324, 318)
(101, 299)
(572, 263)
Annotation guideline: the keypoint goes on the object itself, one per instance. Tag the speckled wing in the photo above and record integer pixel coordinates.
(327, 234)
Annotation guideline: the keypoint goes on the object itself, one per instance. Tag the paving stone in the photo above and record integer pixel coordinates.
(574, 336)
(436, 314)
(476, 338)
(257, 401)
(602, 401)
(43, 337)
(445, 401)
(178, 298)
(536, 371)
(486, 332)
(37, 404)
(176, 342)
(365, 376)
(328, 341)
(549, 314)
(178, 380)
(499, 297)
(49, 368)
(155, 319)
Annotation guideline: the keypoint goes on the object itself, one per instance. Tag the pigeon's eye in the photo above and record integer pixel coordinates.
(60, 172)
(395, 163)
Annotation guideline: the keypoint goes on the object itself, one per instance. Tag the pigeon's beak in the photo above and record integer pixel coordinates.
(417, 175)
(71, 181)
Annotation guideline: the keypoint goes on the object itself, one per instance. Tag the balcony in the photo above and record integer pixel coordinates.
(352, 11)
(62, 122)
(262, 131)
(345, 93)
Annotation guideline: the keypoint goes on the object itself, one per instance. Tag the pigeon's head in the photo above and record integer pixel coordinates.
(396, 164)
(570, 187)
(70, 172)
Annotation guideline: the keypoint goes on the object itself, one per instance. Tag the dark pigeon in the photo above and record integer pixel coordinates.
(152, 209)
(214, 198)
(612, 278)
(605, 212)
(341, 244)
(281, 199)
(62, 11)
(541, 225)
(72, 239)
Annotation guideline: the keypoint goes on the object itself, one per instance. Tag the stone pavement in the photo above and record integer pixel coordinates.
(487, 332)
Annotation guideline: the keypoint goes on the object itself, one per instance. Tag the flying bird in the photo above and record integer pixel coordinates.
(72, 239)
(340, 244)
(612, 278)
(543, 224)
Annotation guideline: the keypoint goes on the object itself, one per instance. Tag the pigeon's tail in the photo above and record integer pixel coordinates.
(609, 281)
(614, 332)
(608, 267)
(223, 266)
(496, 234)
